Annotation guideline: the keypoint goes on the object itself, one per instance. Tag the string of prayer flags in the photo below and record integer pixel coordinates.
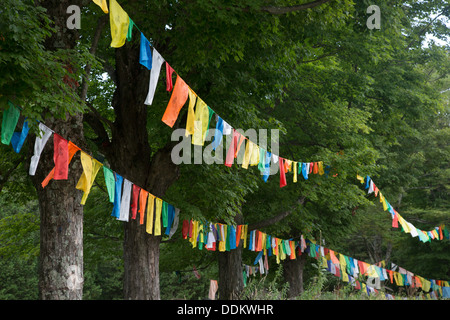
(102, 4)
(198, 120)
(157, 61)
(119, 23)
(9, 122)
(407, 227)
(214, 236)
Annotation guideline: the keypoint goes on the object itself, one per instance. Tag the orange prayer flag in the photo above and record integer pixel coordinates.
(142, 205)
(177, 100)
(333, 257)
(238, 234)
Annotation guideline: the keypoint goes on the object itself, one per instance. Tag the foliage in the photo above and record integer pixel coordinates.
(373, 102)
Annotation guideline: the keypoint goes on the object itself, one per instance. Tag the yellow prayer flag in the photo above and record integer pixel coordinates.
(295, 171)
(159, 203)
(254, 157)
(361, 179)
(342, 261)
(102, 4)
(247, 154)
(119, 22)
(244, 234)
(201, 122)
(344, 276)
(385, 207)
(150, 208)
(191, 114)
(90, 170)
(321, 171)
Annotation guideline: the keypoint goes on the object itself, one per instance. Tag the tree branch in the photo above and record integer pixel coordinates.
(5, 177)
(279, 217)
(299, 7)
(100, 25)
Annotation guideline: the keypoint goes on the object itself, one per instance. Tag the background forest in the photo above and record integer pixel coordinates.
(364, 101)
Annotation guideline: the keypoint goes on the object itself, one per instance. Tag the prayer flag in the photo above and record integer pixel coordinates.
(145, 53)
(72, 150)
(125, 201)
(102, 4)
(177, 100)
(282, 173)
(90, 169)
(18, 139)
(190, 121)
(119, 22)
(169, 72)
(157, 61)
(9, 122)
(117, 195)
(110, 182)
(135, 201)
(60, 157)
(201, 123)
(39, 145)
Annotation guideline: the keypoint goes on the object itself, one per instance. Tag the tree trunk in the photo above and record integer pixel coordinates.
(61, 214)
(61, 233)
(293, 274)
(130, 155)
(231, 281)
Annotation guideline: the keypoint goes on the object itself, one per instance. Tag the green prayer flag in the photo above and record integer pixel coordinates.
(9, 122)
(165, 214)
(262, 159)
(130, 29)
(110, 182)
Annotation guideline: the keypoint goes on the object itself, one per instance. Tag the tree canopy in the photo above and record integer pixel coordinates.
(373, 102)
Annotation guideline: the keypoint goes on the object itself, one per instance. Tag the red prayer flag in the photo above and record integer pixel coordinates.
(72, 150)
(282, 173)
(169, 71)
(395, 220)
(232, 149)
(185, 229)
(60, 157)
(135, 200)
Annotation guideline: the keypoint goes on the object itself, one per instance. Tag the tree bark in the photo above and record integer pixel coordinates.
(130, 155)
(231, 281)
(293, 274)
(61, 214)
